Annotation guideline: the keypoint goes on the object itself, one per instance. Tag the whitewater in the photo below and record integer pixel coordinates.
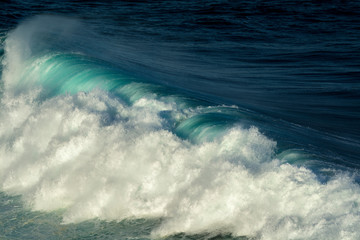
(84, 140)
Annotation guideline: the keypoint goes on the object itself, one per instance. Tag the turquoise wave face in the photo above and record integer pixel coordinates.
(61, 74)
(70, 74)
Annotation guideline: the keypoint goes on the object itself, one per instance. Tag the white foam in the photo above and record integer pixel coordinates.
(98, 158)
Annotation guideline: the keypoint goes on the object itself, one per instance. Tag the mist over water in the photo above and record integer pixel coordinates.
(109, 138)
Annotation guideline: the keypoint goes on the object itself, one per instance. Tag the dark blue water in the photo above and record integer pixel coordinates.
(209, 97)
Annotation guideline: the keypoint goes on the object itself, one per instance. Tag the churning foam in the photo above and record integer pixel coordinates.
(96, 157)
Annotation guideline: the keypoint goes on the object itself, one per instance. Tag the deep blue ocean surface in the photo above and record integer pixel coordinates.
(180, 119)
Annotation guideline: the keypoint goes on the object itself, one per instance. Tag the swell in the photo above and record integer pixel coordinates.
(140, 150)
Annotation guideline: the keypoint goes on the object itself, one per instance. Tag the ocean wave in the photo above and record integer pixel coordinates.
(80, 135)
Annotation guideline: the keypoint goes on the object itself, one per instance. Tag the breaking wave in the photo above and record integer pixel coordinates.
(79, 134)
